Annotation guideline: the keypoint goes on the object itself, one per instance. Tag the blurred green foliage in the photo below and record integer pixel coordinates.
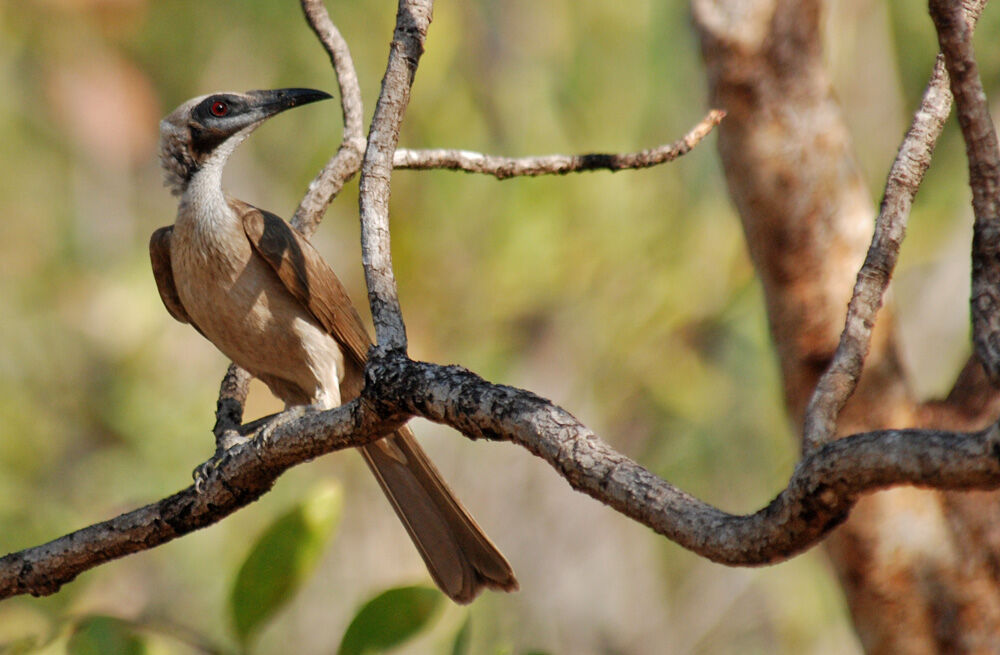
(390, 619)
(104, 635)
(627, 298)
(282, 559)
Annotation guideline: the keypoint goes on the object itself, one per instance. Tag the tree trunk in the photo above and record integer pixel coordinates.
(920, 569)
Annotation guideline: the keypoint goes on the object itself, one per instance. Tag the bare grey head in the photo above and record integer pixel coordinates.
(204, 131)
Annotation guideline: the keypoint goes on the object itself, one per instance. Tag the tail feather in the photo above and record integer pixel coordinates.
(460, 557)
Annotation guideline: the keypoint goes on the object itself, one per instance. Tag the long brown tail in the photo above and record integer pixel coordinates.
(460, 557)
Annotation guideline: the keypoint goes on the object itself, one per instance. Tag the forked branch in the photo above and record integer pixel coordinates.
(913, 159)
(345, 163)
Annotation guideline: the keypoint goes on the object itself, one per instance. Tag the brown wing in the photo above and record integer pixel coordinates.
(159, 255)
(461, 558)
(307, 276)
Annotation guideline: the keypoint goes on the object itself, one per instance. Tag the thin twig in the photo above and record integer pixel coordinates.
(412, 20)
(504, 168)
(983, 153)
(345, 163)
(819, 495)
(913, 158)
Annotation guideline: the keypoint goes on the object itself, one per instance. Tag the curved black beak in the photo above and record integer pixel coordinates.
(271, 102)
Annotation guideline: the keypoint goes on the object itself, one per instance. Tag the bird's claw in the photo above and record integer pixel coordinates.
(262, 436)
(223, 444)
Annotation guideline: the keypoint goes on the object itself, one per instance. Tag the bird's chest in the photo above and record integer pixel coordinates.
(238, 302)
(214, 274)
(234, 297)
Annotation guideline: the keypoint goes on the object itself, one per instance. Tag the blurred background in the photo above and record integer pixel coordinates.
(627, 298)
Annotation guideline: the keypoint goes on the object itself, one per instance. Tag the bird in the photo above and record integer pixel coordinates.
(261, 293)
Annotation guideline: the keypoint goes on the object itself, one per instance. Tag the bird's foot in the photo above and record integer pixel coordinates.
(262, 435)
(223, 444)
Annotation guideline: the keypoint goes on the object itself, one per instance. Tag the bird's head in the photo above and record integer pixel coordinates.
(204, 131)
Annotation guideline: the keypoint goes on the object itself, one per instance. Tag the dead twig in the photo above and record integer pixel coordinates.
(504, 168)
(345, 163)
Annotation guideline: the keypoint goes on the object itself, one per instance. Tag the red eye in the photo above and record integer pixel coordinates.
(219, 108)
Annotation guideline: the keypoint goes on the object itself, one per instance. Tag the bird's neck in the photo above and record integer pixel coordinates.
(202, 197)
(209, 225)
(210, 228)
(203, 200)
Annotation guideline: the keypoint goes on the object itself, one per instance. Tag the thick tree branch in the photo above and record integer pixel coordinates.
(983, 152)
(791, 174)
(821, 492)
(504, 168)
(913, 159)
(245, 473)
(412, 20)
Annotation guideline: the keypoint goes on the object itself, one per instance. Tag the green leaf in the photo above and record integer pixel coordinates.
(21, 646)
(389, 619)
(282, 559)
(462, 638)
(104, 635)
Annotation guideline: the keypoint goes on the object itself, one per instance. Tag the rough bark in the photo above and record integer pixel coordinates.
(821, 492)
(918, 568)
(983, 153)
(913, 158)
(413, 18)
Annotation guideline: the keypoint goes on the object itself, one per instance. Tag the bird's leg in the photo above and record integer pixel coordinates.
(227, 440)
(224, 442)
(228, 432)
(324, 397)
(257, 432)
(262, 434)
